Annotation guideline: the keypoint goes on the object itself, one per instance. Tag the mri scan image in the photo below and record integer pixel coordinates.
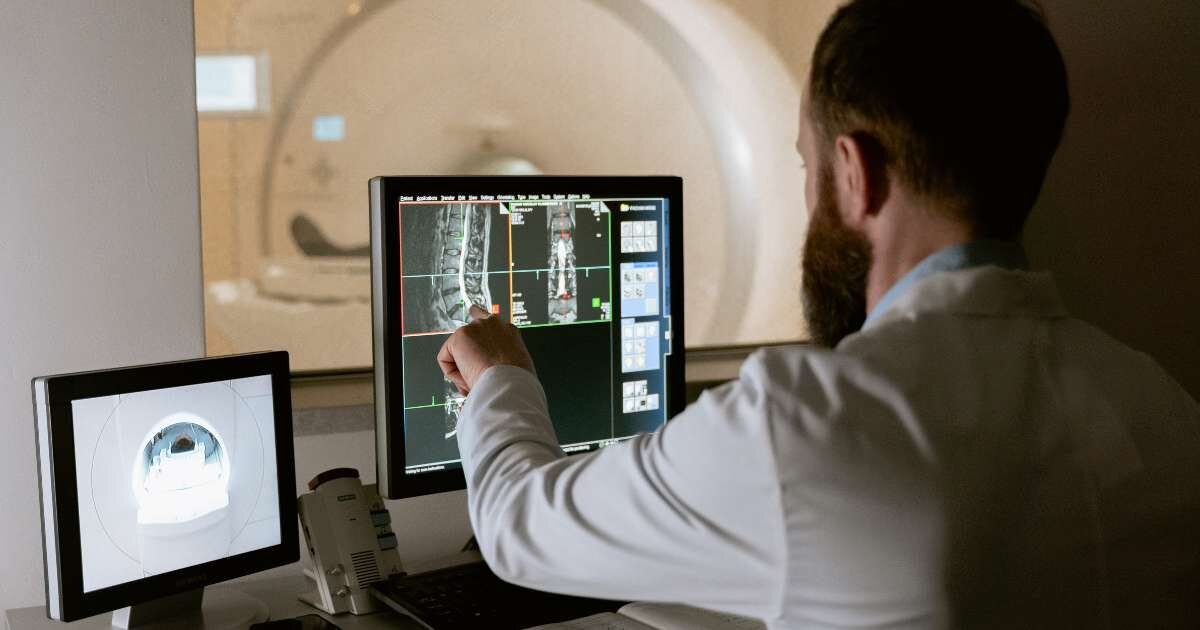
(561, 289)
(454, 404)
(453, 255)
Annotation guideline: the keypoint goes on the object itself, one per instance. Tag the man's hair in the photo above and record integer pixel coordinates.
(965, 100)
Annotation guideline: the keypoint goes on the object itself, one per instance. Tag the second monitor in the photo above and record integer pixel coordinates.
(590, 270)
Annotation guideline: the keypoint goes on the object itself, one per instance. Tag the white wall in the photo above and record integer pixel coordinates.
(1119, 220)
(99, 225)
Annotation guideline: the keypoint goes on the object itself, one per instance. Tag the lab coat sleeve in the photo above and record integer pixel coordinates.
(689, 514)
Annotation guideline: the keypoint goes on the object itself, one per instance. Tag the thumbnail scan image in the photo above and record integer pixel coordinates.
(174, 477)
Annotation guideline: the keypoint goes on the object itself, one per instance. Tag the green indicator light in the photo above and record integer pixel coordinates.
(595, 302)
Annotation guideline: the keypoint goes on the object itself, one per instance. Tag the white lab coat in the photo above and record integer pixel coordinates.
(975, 458)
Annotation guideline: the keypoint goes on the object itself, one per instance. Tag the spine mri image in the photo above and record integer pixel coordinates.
(531, 263)
(452, 256)
(462, 246)
(453, 267)
(560, 229)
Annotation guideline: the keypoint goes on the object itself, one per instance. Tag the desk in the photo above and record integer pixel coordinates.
(278, 593)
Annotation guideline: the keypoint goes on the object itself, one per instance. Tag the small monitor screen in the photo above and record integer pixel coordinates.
(175, 477)
(585, 278)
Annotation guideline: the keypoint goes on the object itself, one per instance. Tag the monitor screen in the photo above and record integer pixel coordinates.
(583, 271)
(163, 478)
(174, 477)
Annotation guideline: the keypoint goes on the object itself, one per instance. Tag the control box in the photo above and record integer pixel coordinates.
(347, 529)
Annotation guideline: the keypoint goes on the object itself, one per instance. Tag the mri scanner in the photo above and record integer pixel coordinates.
(181, 486)
(687, 88)
(185, 463)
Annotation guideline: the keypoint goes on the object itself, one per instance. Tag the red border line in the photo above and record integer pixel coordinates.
(400, 261)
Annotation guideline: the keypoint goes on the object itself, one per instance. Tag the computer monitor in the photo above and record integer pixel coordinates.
(161, 479)
(588, 268)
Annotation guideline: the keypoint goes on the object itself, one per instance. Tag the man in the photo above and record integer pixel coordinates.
(953, 450)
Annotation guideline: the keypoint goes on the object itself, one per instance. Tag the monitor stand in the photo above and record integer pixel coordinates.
(197, 608)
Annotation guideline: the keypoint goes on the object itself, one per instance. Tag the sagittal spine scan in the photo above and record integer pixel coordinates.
(561, 288)
(462, 250)
(454, 404)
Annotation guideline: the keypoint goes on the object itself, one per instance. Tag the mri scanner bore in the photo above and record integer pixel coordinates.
(160, 468)
(182, 473)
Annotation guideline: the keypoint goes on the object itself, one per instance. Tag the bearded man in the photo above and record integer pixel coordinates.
(953, 449)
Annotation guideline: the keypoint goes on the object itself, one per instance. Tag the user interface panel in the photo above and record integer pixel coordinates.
(586, 279)
(174, 477)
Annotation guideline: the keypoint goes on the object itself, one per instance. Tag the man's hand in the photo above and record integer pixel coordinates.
(474, 348)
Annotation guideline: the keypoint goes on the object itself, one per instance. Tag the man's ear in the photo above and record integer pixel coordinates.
(862, 177)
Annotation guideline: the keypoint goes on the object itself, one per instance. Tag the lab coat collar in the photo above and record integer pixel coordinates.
(982, 291)
(1006, 254)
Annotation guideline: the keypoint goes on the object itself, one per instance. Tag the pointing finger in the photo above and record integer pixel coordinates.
(445, 359)
(478, 312)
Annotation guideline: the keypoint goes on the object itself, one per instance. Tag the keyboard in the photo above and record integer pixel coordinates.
(471, 596)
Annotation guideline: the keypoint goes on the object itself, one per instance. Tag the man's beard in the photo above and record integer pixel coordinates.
(835, 262)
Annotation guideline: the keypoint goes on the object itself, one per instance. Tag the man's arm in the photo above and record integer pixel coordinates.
(689, 514)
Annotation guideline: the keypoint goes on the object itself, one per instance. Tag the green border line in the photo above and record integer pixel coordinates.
(442, 404)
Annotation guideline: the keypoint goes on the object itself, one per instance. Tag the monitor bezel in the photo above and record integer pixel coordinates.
(386, 303)
(59, 392)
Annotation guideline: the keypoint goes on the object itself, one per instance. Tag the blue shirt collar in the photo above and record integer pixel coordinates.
(1006, 254)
